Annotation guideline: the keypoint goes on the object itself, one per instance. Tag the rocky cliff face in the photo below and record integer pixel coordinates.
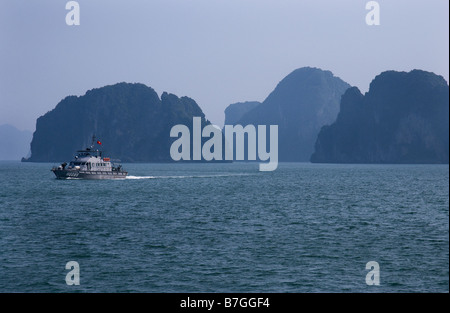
(404, 118)
(132, 122)
(300, 105)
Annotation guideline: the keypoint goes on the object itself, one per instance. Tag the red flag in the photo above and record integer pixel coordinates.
(99, 142)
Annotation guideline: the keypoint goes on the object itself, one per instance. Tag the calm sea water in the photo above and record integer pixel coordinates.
(226, 228)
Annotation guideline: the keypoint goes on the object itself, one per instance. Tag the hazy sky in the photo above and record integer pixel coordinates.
(214, 51)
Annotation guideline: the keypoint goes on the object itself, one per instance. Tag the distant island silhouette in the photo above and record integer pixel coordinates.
(132, 122)
(14, 143)
(303, 102)
(404, 118)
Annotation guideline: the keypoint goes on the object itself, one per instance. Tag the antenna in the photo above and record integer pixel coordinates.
(93, 141)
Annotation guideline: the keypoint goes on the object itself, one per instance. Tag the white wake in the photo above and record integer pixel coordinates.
(184, 176)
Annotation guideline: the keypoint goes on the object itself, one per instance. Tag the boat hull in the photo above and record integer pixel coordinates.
(71, 174)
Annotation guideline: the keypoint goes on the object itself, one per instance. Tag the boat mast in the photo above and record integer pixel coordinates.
(99, 152)
(93, 141)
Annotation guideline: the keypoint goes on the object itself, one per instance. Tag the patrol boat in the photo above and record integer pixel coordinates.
(89, 164)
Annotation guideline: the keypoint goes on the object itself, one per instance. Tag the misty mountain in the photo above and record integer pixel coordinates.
(403, 118)
(303, 102)
(235, 111)
(130, 120)
(14, 143)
